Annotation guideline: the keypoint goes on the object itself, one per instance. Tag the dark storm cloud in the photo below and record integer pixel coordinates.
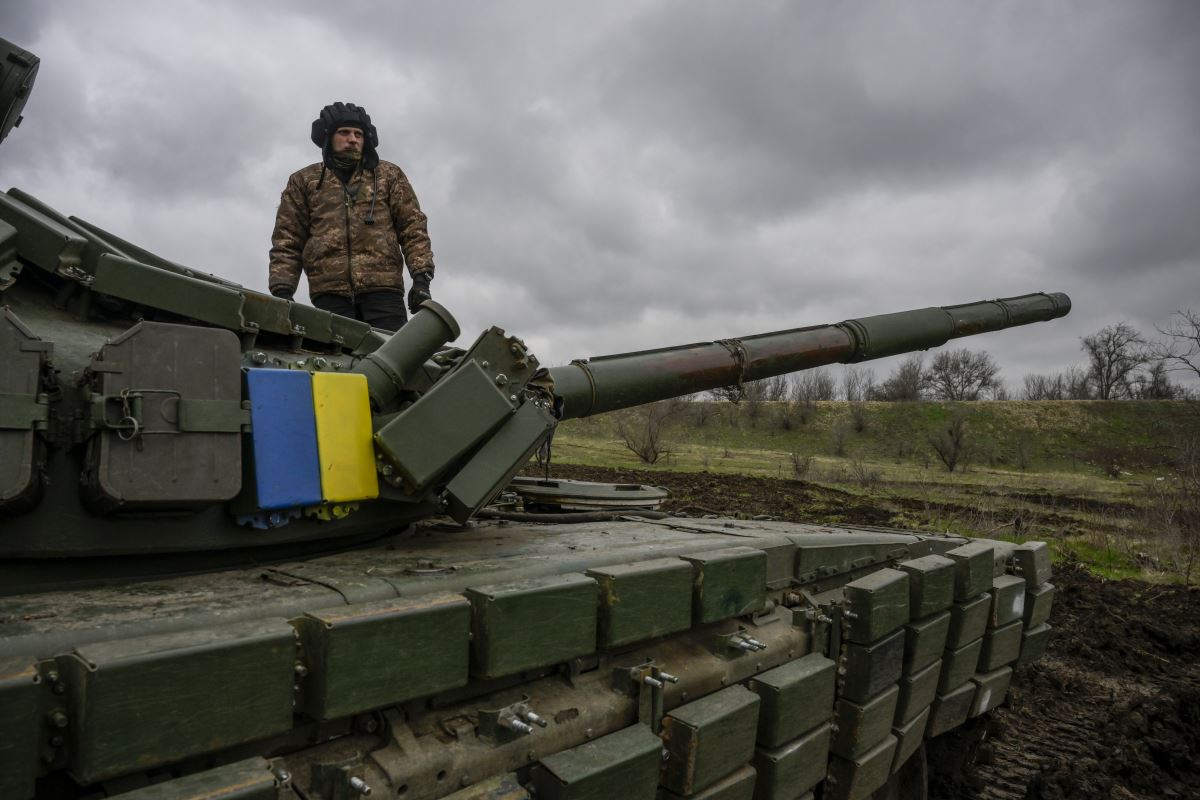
(21, 21)
(637, 173)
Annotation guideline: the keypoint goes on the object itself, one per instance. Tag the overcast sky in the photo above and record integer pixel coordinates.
(614, 176)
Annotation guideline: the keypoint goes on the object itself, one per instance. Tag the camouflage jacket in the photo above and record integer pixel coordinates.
(323, 232)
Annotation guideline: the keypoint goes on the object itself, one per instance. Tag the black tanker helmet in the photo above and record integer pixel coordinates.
(346, 115)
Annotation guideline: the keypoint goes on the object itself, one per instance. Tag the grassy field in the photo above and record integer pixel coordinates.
(1101, 480)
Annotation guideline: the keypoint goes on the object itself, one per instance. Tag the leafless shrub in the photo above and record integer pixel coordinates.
(808, 389)
(839, 440)
(702, 412)
(1155, 384)
(905, 383)
(1069, 385)
(838, 474)
(1108, 458)
(864, 476)
(777, 388)
(858, 383)
(951, 442)
(1180, 350)
(800, 465)
(858, 416)
(643, 429)
(1114, 353)
(1021, 451)
(961, 374)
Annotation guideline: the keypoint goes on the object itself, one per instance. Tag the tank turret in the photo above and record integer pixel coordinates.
(158, 415)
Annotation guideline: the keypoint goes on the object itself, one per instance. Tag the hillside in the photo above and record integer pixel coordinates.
(1040, 436)
(1112, 483)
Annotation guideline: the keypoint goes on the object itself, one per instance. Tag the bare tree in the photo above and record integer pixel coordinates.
(961, 375)
(1181, 349)
(1155, 383)
(858, 416)
(858, 383)
(1045, 387)
(951, 442)
(814, 385)
(643, 429)
(905, 382)
(1114, 353)
(776, 388)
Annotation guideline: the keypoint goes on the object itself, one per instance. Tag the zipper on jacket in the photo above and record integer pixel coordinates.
(349, 255)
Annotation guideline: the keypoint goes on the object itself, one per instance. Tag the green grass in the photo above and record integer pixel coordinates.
(1077, 474)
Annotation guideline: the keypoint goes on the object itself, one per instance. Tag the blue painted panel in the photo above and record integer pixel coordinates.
(284, 431)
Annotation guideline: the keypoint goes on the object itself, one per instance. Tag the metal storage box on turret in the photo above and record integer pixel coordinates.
(246, 551)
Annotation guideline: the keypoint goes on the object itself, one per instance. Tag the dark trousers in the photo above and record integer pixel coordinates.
(379, 309)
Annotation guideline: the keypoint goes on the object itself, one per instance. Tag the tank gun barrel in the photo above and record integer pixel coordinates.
(606, 383)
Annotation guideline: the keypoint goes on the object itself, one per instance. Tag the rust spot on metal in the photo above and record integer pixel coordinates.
(566, 715)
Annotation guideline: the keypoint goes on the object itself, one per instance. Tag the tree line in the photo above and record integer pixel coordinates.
(1119, 364)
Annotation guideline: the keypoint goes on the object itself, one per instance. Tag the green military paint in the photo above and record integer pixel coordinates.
(251, 779)
(738, 786)
(1033, 643)
(643, 600)
(856, 778)
(909, 737)
(531, 623)
(378, 654)
(623, 764)
(990, 690)
(709, 738)
(968, 621)
(862, 726)
(796, 697)
(1000, 646)
(1033, 563)
(497, 461)
(930, 584)
(727, 583)
(1038, 602)
(203, 300)
(974, 567)
(781, 561)
(959, 665)
(878, 603)
(794, 767)
(1008, 600)
(950, 709)
(917, 692)
(20, 721)
(235, 683)
(868, 669)
(429, 437)
(924, 641)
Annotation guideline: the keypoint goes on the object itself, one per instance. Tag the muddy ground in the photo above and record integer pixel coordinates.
(1111, 711)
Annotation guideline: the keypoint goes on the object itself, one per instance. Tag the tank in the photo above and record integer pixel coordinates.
(247, 551)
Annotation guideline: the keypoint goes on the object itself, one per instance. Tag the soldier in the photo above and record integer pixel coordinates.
(351, 222)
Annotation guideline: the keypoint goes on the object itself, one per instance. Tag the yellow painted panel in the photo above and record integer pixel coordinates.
(344, 442)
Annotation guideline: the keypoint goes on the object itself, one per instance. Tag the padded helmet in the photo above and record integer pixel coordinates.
(340, 115)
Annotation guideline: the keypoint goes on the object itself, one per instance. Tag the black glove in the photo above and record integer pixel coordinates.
(283, 293)
(419, 292)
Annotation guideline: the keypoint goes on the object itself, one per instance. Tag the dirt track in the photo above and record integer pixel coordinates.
(1111, 711)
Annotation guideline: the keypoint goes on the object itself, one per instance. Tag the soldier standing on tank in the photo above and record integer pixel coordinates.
(351, 223)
